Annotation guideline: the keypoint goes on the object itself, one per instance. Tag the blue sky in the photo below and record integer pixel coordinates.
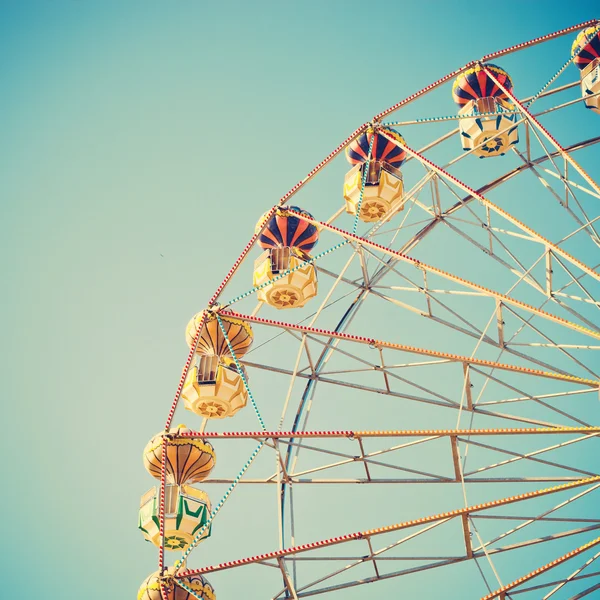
(140, 142)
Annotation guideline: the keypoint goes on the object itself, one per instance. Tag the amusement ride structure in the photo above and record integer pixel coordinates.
(439, 348)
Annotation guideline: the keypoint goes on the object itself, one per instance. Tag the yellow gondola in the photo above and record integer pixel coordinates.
(478, 95)
(284, 273)
(384, 188)
(214, 389)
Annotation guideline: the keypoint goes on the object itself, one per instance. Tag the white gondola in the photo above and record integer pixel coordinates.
(590, 85)
(491, 135)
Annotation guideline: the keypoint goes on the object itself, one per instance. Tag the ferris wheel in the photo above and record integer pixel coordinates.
(397, 382)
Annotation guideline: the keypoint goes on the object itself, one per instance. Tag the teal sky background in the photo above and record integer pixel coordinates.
(140, 142)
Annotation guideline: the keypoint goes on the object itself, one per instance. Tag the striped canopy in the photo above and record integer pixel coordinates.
(288, 230)
(151, 589)
(476, 83)
(213, 342)
(189, 460)
(383, 149)
(588, 41)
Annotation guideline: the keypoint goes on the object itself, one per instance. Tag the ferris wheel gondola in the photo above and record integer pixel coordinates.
(586, 55)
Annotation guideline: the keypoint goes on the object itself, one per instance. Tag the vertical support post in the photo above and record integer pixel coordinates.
(548, 272)
(426, 292)
(489, 228)
(455, 458)
(566, 178)
(467, 535)
(468, 386)
(286, 579)
(279, 491)
(500, 322)
(437, 207)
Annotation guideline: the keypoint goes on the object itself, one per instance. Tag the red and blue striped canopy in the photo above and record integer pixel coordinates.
(288, 230)
(588, 41)
(383, 149)
(476, 83)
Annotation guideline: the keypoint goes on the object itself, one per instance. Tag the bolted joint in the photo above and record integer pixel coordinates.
(374, 125)
(213, 308)
(282, 211)
(167, 580)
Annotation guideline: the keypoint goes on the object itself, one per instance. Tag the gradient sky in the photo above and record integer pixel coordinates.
(122, 122)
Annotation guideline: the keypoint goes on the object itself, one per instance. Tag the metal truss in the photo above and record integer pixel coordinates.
(380, 547)
(350, 450)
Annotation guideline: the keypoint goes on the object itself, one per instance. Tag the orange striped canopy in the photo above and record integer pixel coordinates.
(587, 43)
(476, 83)
(382, 149)
(189, 460)
(212, 340)
(150, 589)
(285, 229)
